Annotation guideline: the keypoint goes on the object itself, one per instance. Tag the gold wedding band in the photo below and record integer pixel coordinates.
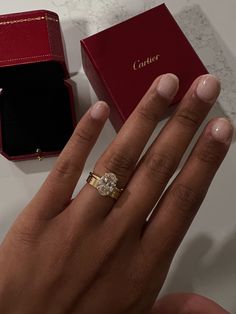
(105, 185)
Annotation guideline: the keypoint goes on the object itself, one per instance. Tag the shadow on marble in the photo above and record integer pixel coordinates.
(76, 98)
(36, 166)
(214, 271)
(85, 94)
(106, 137)
(72, 34)
(190, 265)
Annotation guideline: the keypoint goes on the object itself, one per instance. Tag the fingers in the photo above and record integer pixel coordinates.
(177, 208)
(57, 190)
(160, 162)
(123, 153)
(180, 303)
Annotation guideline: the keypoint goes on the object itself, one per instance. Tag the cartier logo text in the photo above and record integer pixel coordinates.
(140, 64)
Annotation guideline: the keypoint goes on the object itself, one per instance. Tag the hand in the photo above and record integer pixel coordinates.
(186, 303)
(94, 254)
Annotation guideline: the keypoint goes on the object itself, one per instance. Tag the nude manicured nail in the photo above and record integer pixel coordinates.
(208, 88)
(99, 111)
(222, 130)
(168, 86)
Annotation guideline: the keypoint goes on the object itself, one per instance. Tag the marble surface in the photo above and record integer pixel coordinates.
(206, 261)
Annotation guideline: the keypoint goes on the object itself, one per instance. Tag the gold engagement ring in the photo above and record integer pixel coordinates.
(105, 185)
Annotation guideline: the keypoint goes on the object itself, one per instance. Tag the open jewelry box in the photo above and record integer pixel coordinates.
(37, 114)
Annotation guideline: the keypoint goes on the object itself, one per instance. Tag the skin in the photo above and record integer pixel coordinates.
(186, 303)
(92, 254)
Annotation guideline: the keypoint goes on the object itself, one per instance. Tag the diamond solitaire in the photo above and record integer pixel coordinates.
(105, 185)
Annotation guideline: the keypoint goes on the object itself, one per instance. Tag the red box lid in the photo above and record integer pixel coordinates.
(31, 37)
(121, 62)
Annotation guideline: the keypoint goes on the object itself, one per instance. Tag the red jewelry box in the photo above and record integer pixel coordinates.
(121, 62)
(37, 114)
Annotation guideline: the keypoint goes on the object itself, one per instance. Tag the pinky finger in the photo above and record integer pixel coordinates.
(180, 203)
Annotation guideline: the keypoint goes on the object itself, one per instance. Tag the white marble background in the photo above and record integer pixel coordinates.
(206, 260)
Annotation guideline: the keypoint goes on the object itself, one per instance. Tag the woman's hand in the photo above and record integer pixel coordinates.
(96, 255)
(186, 303)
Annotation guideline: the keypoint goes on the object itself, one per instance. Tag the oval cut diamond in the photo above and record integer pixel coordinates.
(107, 184)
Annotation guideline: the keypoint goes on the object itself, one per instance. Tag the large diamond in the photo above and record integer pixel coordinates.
(107, 184)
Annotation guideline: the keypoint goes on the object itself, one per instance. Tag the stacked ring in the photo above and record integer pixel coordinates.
(105, 185)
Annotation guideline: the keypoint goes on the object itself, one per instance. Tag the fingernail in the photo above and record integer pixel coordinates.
(208, 88)
(222, 130)
(99, 111)
(168, 86)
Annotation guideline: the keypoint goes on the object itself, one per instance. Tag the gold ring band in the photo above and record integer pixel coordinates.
(105, 185)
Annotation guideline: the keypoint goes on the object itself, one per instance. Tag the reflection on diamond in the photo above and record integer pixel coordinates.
(107, 184)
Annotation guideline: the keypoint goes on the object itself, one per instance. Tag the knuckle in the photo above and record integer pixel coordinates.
(185, 198)
(120, 164)
(82, 136)
(160, 165)
(26, 233)
(147, 110)
(148, 114)
(63, 169)
(209, 154)
(137, 284)
(24, 236)
(188, 118)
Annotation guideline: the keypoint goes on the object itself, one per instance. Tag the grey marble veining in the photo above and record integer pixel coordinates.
(98, 14)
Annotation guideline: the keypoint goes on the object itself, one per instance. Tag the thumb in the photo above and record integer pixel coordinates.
(186, 303)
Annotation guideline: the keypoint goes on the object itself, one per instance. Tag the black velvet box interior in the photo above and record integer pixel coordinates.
(36, 110)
